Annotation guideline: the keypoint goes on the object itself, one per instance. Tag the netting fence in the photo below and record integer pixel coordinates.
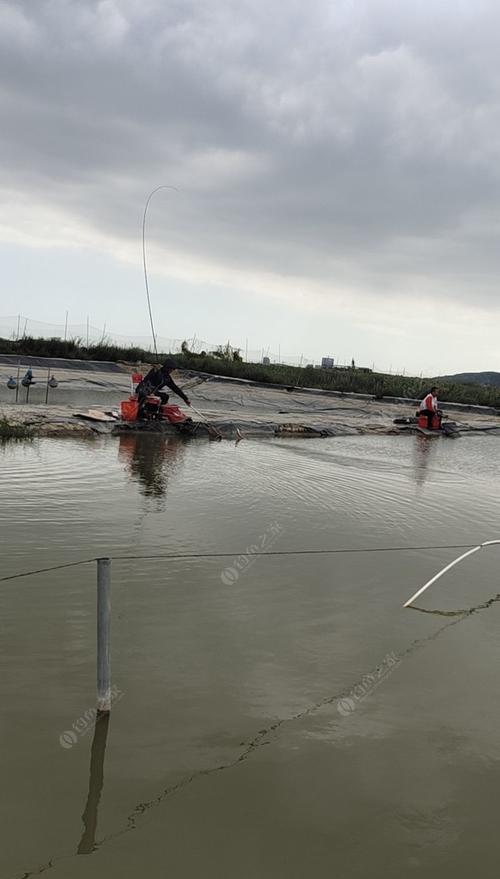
(19, 326)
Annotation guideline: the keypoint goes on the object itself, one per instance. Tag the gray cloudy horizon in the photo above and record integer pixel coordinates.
(336, 160)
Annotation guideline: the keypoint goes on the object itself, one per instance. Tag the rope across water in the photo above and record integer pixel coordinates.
(221, 555)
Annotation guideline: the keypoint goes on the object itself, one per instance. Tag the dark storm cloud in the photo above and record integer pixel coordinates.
(352, 143)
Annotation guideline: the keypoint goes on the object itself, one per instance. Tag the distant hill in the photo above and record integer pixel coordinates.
(476, 378)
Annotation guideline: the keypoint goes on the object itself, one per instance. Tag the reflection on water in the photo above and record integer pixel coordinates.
(96, 780)
(207, 666)
(150, 458)
(423, 454)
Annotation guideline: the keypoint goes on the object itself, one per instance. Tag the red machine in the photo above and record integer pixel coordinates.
(135, 380)
(129, 409)
(173, 414)
(154, 410)
(423, 422)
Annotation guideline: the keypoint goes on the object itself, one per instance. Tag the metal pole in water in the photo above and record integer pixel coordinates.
(47, 391)
(103, 634)
(17, 381)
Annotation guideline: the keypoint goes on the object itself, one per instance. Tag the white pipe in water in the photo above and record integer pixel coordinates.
(448, 568)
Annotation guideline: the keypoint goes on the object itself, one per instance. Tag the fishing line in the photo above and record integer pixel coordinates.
(220, 555)
(150, 196)
(45, 570)
(210, 428)
(285, 552)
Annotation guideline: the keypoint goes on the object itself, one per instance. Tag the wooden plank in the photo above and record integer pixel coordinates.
(93, 415)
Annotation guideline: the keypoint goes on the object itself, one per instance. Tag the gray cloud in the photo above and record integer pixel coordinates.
(352, 143)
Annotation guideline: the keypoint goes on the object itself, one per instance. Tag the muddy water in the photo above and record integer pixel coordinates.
(277, 717)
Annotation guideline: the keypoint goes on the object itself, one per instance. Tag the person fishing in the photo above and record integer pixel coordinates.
(155, 383)
(429, 406)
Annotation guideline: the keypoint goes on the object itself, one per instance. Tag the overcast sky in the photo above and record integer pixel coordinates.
(337, 167)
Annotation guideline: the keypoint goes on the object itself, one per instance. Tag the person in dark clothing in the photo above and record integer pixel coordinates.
(155, 381)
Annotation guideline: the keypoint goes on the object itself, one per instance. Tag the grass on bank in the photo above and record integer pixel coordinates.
(345, 380)
(13, 431)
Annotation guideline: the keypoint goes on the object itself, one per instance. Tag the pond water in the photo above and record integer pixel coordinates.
(273, 717)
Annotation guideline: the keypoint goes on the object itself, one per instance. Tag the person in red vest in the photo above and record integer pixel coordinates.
(429, 406)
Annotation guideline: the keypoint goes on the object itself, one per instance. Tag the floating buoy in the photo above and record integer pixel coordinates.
(12, 384)
(53, 383)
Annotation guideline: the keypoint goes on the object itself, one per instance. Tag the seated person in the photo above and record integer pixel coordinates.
(429, 407)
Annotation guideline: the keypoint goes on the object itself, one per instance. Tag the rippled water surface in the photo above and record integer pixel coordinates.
(274, 717)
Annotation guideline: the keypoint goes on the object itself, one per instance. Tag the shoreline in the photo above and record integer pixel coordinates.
(236, 408)
(70, 421)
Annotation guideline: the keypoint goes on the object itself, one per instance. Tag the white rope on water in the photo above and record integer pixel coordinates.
(448, 568)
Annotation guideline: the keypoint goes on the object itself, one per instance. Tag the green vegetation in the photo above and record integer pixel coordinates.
(227, 361)
(355, 380)
(474, 378)
(222, 352)
(71, 349)
(10, 431)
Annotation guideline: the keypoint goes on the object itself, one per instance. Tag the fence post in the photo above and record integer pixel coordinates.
(103, 634)
(17, 385)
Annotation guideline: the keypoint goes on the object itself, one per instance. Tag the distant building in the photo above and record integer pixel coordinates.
(327, 363)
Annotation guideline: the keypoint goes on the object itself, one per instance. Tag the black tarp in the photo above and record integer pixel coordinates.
(61, 363)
